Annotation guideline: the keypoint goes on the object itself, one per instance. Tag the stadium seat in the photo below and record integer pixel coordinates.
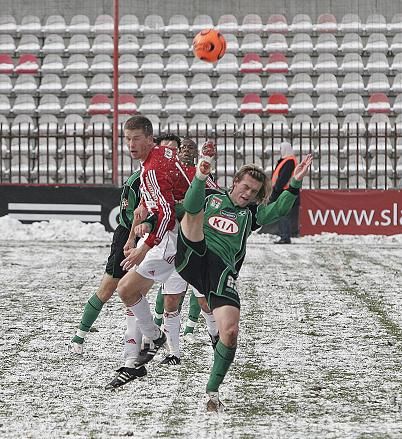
(49, 104)
(129, 24)
(251, 124)
(396, 65)
(326, 23)
(178, 24)
(153, 24)
(177, 43)
(378, 83)
(396, 86)
(396, 44)
(326, 104)
(277, 63)
(381, 164)
(226, 125)
(104, 24)
(276, 83)
(100, 83)
(75, 104)
(232, 45)
(352, 83)
(301, 83)
(50, 83)
(352, 62)
(151, 84)
(326, 83)
(251, 103)
(227, 23)
(251, 63)
(326, 63)
(102, 43)
(30, 24)
(302, 103)
(251, 83)
(101, 64)
(350, 23)
(201, 22)
(276, 125)
(28, 44)
(22, 125)
(226, 103)
(78, 44)
(52, 64)
(150, 104)
(377, 63)
(175, 124)
(48, 124)
(378, 103)
(301, 24)
(252, 43)
(25, 84)
(20, 167)
(27, 64)
(23, 104)
(5, 107)
(277, 23)
(276, 43)
(252, 24)
(176, 83)
(6, 64)
(327, 124)
(226, 83)
(99, 104)
(376, 43)
(380, 124)
(7, 44)
(70, 170)
(301, 63)
(200, 125)
(199, 66)
(351, 43)
(8, 25)
(5, 84)
(128, 84)
(202, 104)
(277, 104)
(72, 124)
(328, 162)
(128, 64)
(79, 24)
(176, 104)
(128, 44)
(395, 25)
(397, 107)
(98, 125)
(353, 124)
(301, 43)
(227, 64)
(126, 104)
(353, 103)
(375, 23)
(177, 64)
(152, 63)
(76, 64)
(326, 43)
(200, 83)
(53, 44)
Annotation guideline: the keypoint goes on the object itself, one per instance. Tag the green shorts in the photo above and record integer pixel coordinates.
(116, 256)
(207, 272)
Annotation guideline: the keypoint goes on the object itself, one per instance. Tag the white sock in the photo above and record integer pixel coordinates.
(145, 321)
(132, 340)
(211, 323)
(172, 330)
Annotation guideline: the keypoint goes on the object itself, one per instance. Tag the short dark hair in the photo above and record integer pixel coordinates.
(258, 174)
(168, 136)
(139, 123)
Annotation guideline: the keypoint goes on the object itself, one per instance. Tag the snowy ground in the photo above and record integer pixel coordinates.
(319, 355)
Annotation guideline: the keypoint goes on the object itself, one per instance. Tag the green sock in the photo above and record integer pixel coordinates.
(193, 314)
(223, 358)
(91, 312)
(195, 197)
(159, 308)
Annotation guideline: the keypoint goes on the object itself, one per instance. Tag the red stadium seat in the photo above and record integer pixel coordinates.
(326, 23)
(6, 64)
(277, 23)
(99, 104)
(251, 64)
(27, 64)
(277, 104)
(251, 103)
(277, 63)
(378, 103)
(127, 104)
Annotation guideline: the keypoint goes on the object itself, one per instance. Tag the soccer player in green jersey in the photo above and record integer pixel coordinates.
(212, 245)
(123, 239)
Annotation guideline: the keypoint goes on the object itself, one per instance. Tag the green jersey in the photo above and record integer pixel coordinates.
(130, 198)
(227, 226)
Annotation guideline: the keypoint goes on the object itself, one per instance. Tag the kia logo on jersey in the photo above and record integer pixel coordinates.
(224, 225)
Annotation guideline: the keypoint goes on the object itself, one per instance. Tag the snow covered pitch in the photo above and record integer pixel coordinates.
(320, 349)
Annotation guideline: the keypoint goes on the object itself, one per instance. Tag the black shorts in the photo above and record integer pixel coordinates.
(120, 237)
(207, 272)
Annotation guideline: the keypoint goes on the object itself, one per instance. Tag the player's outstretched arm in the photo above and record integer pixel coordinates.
(303, 167)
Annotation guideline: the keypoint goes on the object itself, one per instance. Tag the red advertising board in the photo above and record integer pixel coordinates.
(352, 212)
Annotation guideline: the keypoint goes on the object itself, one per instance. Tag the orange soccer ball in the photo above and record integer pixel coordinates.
(209, 45)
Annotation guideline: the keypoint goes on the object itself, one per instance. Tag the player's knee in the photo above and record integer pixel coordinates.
(171, 302)
(230, 334)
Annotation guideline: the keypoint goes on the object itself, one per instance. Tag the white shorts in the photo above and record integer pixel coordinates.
(175, 284)
(158, 264)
